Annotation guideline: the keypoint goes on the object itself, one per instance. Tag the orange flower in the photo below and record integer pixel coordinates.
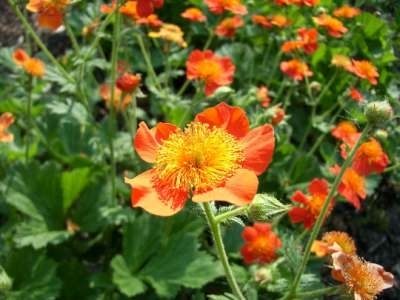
(342, 61)
(308, 41)
(128, 82)
(280, 21)
(219, 6)
(364, 279)
(228, 26)
(146, 7)
(370, 158)
(366, 70)
(295, 69)
(261, 20)
(120, 102)
(261, 244)
(194, 14)
(345, 131)
(6, 119)
(355, 94)
(129, 9)
(309, 37)
(33, 66)
(50, 13)
(262, 96)
(215, 158)
(278, 116)
(346, 11)
(334, 26)
(151, 20)
(334, 241)
(169, 32)
(214, 70)
(310, 206)
(352, 186)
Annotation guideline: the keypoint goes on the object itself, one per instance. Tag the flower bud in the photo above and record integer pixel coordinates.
(264, 207)
(262, 275)
(378, 112)
(5, 281)
(128, 82)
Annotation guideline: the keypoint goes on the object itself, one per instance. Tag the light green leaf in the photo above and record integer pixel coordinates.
(123, 278)
(73, 183)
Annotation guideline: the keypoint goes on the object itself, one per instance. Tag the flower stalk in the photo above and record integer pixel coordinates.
(219, 245)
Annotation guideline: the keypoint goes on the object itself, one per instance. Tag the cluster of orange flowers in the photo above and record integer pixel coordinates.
(364, 279)
(369, 158)
(31, 65)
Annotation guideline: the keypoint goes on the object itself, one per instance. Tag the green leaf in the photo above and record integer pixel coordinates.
(23, 204)
(123, 278)
(73, 182)
(373, 27)
(36, 234)
(34, 276)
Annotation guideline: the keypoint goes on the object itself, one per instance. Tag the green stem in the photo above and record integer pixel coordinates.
(147, 59)
(216, 233)
(320, 292)
(112, 108)
(39, 42)
(318, 223)
(28, 118)
(72, 38)
(229, 214)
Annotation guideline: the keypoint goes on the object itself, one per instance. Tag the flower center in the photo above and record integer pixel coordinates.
(198, 158)
(209, 69)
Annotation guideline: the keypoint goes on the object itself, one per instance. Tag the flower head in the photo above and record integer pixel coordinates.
(169, 32)
(345, 131)
(261, 20)
(334, 26)
(346, 11)
(342, 61)
(355, 94)
(214, 70)
(352, 186)
(50, 13)
(334, 241)
(146, 7)
(364, 279)
(370, 158)
(365, 70)
(307, 41)
(219, 6)
(215, 158)
(194, 14)
(128, 82)
(31, 65)
(261, 244)
(280, 21)
(310, 205)
(228, 26)
(262, 96)
(6, 119)
(296, 69)
(120, 102)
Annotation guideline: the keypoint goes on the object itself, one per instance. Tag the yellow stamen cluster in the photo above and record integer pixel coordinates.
(198, 158)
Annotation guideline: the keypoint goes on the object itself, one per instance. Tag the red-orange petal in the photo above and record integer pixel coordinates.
(51, 20)
(238, 189)
(318, 186)
(145, 196)
(259, 145)
(231, 118)
(147, 141)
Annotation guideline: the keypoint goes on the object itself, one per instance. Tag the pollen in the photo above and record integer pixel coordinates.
(197, 159)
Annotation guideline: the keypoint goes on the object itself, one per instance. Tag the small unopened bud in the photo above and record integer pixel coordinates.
(278, 116)
(378, 112)
(315, 86)
(381, 134)
(264, 207)
(262, 275)
(5, 281)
